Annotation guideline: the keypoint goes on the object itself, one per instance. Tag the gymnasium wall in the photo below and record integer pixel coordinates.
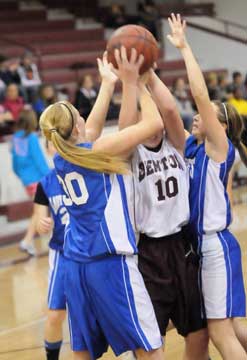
(212, 51)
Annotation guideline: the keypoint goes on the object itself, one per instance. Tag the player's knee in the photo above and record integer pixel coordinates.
(56, 317)
(156, 354)
(197, 341)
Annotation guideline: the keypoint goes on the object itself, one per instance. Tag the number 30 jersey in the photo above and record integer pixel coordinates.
(161, 190)
(99, 220)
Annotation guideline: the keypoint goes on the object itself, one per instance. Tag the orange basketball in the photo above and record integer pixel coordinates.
(134, 36)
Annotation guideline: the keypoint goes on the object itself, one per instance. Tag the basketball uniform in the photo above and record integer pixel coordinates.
(221, 269)
(165, 257)
(107, 300)
(49, 194)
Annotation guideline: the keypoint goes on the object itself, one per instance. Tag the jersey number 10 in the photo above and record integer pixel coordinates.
(171, 188)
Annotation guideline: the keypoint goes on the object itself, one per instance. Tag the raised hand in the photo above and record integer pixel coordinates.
(106, 69)
(177, 36)
(128, 70)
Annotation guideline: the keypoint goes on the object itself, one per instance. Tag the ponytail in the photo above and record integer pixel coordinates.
(229, 115)
(55, 123)
(242, 149)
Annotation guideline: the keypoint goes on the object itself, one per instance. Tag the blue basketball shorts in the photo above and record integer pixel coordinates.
(56, 292)
(108, 304)
(222, 277)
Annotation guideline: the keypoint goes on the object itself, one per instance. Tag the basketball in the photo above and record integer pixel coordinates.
(134, 36)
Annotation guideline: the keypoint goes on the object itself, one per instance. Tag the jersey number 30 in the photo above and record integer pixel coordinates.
(67, 184)
(169, 190)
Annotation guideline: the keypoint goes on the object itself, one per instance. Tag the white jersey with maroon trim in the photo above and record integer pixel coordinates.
(161, 186)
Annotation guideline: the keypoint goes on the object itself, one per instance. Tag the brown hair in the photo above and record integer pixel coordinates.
(27, 121)
(57, 123)
(228, 115)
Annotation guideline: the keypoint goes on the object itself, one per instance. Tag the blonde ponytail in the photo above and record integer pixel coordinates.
(57, 125)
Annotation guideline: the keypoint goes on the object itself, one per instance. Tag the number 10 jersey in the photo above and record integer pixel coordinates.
(161, 190)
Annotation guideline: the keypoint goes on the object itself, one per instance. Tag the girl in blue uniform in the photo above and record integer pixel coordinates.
(210, 152)
(107, 300)
(49, 197)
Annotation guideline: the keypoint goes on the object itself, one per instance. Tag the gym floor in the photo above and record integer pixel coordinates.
(23, 288)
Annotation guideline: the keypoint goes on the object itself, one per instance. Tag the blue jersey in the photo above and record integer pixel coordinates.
(209, 203)
(99, 220)
(53, 191)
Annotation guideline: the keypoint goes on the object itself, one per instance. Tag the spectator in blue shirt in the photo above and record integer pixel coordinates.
(29, 164)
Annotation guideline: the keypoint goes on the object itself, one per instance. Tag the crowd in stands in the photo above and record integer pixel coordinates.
(21, 88)
(219, 88)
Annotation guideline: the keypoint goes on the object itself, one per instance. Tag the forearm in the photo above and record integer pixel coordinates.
(168, 108)
(97, 116)
(196, 80)
(128, 111)
(150, 114)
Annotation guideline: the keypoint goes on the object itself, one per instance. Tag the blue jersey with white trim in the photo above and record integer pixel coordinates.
(209, 203)
(99, 220)
(53, 191)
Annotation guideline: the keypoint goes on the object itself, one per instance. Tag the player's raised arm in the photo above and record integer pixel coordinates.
(96, 119)
(214, 131)
(168, 109)
(123, 142)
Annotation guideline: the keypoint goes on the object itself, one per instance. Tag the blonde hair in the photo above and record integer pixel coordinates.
(57, 123)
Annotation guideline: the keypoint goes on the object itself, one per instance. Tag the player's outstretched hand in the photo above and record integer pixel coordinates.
(106, 69)
(177, 36)
(128, 70)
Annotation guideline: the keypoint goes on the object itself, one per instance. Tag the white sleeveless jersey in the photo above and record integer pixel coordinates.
(161, 190)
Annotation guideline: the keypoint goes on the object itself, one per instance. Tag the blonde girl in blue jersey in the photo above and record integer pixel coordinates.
(210, 152)
(48, 196)
(107, 300)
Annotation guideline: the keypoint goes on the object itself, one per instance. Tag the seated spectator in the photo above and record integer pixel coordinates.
(238, 101)
(237, 82)
(148, 14)
(222, 88)
(29, 164)
(29, 75)
(8, 74)
(85, 96)
(116, 16)
(183, 102)
(47, 96)
(13, 102)
(213, 87)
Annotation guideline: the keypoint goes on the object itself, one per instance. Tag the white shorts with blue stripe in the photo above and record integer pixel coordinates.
(56, 291)
(222, 277)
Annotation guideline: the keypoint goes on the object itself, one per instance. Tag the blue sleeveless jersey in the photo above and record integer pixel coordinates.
(99, 220)
(209, 203)
(53, 191)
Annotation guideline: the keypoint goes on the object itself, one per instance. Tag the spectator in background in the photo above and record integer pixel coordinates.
(116, 16)
(213, 87)
(8, 74)
(222, 87)
(13, 102)
(29, 75)
(47, 96)
(148, 14)
(183, 102)
(237, 82)
(85, 96)
(29, 165)
(238, 101)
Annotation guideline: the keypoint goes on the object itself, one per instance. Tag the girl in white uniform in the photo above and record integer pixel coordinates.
(210, 152)
(161, 209)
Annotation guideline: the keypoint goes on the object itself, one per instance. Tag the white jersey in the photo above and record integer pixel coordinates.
(161, 187)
